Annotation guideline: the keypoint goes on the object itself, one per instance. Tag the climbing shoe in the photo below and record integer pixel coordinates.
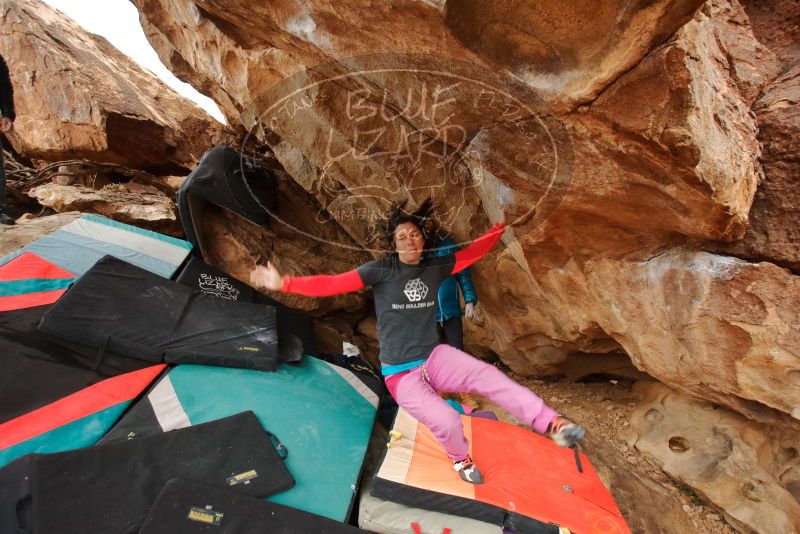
(468, 471)
(564, 432)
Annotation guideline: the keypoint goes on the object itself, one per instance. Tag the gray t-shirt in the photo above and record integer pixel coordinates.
(405, 302)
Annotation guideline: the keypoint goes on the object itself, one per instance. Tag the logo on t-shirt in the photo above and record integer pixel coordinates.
(415, 290)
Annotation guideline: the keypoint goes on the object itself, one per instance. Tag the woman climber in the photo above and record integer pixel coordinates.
(415, 365)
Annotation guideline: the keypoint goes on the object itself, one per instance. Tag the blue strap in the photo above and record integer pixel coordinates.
(387, 370)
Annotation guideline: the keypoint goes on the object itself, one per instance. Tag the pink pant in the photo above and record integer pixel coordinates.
(450, 370)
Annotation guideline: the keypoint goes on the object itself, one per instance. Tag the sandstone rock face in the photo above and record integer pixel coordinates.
(692, 97)
(694, 309)
(776, 23)
(79, 97)
(136, 204)
(659, 164)
(682, 316)
(644, 504)
(750, 471)
(567, 51)
(774, 232)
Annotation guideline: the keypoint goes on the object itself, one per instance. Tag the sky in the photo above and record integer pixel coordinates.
(118, 21)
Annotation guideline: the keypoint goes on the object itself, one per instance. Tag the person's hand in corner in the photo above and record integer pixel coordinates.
(471, 312)
(266, 277)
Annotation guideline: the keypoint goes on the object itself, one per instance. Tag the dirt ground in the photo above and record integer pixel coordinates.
(604, 407)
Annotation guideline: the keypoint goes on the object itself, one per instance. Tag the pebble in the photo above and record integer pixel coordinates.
(687, 508)
(713, 517)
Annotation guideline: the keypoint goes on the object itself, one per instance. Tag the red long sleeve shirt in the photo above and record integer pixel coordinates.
(326, 285)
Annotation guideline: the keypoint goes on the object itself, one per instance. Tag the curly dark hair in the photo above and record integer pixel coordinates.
(424, 217)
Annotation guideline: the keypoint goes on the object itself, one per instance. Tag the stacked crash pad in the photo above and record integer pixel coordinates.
(388, 517)
(58, 293)
(190, 508)
(295, 328)
(77, 420)
(122, 308)
(322, 413)
(53, 393)
(110, 488)
(531, 485)
(29, 280)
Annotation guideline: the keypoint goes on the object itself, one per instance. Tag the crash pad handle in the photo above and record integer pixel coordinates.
(394, 435)
(101, 353)
(280, 448)
(578, 463)
(22, 512)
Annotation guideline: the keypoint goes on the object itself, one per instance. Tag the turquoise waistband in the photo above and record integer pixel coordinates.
(387, 370)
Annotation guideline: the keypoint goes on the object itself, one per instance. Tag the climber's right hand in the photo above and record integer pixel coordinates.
(266, 277)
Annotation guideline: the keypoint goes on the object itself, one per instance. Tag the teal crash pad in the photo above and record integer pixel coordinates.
(321, 412)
